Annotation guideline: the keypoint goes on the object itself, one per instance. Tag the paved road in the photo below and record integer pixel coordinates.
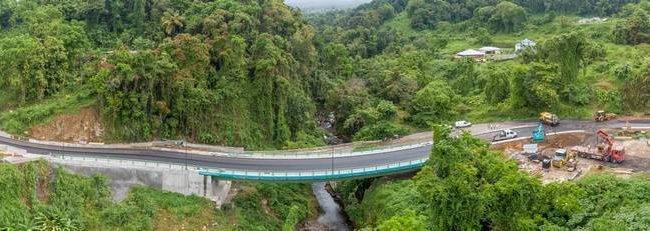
(312, 164)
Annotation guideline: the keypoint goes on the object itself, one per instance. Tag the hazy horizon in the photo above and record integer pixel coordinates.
(311, 5)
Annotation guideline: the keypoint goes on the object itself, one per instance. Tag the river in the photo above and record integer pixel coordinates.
(332, 216)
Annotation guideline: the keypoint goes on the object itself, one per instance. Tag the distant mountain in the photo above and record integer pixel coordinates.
(323, 5)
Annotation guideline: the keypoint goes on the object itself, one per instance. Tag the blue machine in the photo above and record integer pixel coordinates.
(539, 134)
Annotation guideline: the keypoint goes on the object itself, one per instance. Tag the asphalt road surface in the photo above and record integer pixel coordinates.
(485, 131)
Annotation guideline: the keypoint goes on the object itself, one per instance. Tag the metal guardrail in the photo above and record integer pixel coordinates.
(122, 162)
(326, 153)
(316, 175)
(278, 176)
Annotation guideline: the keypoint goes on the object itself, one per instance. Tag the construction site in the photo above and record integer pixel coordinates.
(569, 155)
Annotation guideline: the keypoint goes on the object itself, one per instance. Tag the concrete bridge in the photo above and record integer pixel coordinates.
(289, 165)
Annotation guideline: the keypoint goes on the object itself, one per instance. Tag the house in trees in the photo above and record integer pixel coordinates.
(470, 53)
(524, 44)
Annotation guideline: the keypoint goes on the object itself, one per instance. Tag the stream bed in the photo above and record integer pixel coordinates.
(332, 216)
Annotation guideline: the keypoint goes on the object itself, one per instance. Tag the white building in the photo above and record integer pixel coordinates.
(490, 50)
(470, 53)
(524, 44)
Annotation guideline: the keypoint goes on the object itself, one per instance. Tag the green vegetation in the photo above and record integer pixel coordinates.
(402, 52)
(465, 186)
(221, 72)
(18, 120)
(256, 73)
(36, 197)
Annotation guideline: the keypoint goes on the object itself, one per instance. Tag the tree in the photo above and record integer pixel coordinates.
(433, 104)
(425, 14)
(634, 29)
(138, 15)
(385, 12)
(535, 87)
(497, 86)
(172, 23)
(570, 52)
(351, 94)
(636, 93)
(462, 75)
(6, 11)
(467, 187)
(504, 17)
(22, 64)
(376, 122)
(483, 36)
(409, 221)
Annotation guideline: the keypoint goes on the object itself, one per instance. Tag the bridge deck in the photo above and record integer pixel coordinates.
(315, 176)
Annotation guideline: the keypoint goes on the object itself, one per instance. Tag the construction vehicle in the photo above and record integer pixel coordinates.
(562, 159)
(539, 134)
(504, 135)
(530, 150)
(601, 116)
(607, 150)
(546, 163)
(558, 158)
(549, 119)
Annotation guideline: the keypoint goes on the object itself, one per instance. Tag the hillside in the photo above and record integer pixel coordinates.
(467, 186)
(262, 75)
(257, 74)
(579, 66)
(37, 196)
(225, 72)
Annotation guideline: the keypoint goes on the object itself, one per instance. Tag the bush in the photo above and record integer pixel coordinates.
(381, 130)
(433, 104)
(611, 101)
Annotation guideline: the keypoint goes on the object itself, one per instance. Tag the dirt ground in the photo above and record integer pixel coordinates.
(637, 157)
(83, 126)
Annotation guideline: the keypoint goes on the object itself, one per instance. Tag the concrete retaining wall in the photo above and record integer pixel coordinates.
(186, 182)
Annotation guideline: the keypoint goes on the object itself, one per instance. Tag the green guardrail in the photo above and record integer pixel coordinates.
(316, 176)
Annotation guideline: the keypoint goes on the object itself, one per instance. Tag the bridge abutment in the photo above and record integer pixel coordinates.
(123, 178)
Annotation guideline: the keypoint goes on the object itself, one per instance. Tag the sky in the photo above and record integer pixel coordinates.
(311, 5)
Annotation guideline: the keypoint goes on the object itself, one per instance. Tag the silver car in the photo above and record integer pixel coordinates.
(505, 135)
(462, 124)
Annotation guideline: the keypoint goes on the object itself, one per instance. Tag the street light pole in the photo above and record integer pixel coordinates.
(332, 161)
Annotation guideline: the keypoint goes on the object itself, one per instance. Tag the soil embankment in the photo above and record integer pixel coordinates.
(84, 125)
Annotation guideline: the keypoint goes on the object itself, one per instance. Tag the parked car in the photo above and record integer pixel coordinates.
(505, 135)
(462, 124)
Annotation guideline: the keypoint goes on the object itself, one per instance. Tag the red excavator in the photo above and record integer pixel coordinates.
(607, 150)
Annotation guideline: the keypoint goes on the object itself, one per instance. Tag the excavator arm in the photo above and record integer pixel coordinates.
(608, 140)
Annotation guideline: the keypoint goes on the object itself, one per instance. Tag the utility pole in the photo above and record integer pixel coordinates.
(332, 160)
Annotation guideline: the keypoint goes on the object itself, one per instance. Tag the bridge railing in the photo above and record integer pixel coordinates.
(328, 153)
(319, 175)
(121, 162)
(239, 174)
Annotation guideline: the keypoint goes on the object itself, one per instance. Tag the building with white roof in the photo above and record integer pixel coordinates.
(490, 50)
(524, 44)
(470, 53)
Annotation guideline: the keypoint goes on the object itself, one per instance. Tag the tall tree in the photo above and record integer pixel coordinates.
(172, 23)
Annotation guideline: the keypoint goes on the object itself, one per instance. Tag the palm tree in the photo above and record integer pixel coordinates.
(172, 22)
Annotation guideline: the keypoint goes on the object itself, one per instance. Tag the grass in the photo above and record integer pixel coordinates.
(34, 196)
(19, 120)
(382, 199)
(5, 102)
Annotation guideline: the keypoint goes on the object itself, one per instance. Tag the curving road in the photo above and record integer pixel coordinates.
(233, 162)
